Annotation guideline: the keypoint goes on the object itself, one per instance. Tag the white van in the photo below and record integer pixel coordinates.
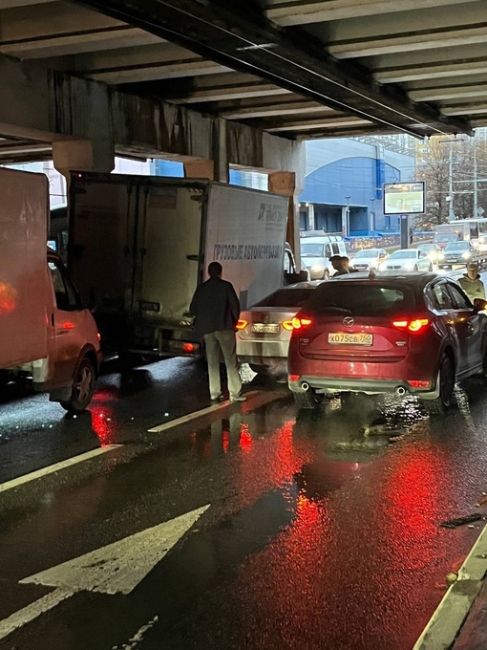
(44, 330)
(316, 250)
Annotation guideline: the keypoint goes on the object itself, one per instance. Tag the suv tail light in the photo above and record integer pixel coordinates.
(300, 323)
(241, 324)
(414, 325)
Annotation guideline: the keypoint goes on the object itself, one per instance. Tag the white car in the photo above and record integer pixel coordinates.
(368, 258)
(407, 260)
(264, 330)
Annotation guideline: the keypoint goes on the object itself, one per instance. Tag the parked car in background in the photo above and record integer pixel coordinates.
(407, 260)
(368, 258)
(433, 251)
(459, 253)
(415, 334)
(264, 331)
(316, 250)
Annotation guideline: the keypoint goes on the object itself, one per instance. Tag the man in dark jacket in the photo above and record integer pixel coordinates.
(216, 309)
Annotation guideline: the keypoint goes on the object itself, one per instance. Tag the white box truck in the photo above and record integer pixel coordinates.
(139, 246)
(44, 330)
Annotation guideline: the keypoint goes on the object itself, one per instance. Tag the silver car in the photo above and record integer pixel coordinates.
(407, 260)
(368, 258)
(264, 330)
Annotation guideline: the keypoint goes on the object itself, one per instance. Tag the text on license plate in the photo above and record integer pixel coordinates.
(336, 338)
(265, 328)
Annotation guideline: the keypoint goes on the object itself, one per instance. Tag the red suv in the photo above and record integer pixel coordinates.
(417, 334)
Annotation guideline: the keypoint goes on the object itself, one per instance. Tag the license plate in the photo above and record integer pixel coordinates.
(343, 338)
(265, 328)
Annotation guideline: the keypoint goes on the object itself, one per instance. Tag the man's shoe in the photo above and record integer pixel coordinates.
(238, 398)
(218, 398)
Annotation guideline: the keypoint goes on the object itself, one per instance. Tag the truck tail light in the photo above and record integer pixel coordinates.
(241, 324)
(300, 323)
(414, 325)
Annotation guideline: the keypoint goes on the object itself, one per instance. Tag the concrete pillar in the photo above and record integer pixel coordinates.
(285, 183)
(199, 169)
(81, 155)
(220, 151)
(345, 220)
(311, 216)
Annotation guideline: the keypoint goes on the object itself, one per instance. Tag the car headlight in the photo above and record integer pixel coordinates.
(466, 255)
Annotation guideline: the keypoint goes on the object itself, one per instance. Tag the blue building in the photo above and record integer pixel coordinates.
(343, 186)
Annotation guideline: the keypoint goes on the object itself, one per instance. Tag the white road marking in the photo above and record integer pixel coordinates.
(51, 469)
(134, 641)
(116, 568)
(196, 414)
(444, 625)
(32, 611)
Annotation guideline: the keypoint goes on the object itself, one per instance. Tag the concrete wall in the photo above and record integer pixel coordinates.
(50, 106)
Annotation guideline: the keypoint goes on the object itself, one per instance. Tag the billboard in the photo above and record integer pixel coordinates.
(404, 198)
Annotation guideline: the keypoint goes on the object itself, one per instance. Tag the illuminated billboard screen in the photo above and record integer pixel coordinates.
(404, 198)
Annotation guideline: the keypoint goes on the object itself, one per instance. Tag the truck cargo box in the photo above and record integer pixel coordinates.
(139, 246)
(24, 210)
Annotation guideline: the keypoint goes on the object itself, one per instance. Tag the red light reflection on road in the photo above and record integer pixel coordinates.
(102, 425)
(226, 441)
(245, 438)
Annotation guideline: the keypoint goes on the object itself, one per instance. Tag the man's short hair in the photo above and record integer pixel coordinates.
(335, 258)
(473, 265)
(214, 269)
(344, 258)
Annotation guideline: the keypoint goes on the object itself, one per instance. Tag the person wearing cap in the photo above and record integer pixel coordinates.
(471, 282)
(341, 264)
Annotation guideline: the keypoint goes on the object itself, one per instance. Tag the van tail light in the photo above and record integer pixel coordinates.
(414, 325)
(241, 324)
(301, 323)
(287, 325)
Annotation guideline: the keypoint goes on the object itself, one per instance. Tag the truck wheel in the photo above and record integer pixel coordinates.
(83, 387)
(307, 400)
(446, 379)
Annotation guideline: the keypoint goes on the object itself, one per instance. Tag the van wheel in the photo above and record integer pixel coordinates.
(446, 379)
(307, 400)
(83, 387)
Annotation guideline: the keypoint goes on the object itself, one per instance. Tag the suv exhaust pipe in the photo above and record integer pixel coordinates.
(400, 391)
(305, 385)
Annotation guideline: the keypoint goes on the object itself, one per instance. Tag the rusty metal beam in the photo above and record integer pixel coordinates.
(241, 38)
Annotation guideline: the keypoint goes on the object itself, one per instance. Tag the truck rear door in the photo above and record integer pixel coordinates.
(24, 211)
(170, 250)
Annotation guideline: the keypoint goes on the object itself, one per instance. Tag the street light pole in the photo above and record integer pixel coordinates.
(475, 181)
(451, 213)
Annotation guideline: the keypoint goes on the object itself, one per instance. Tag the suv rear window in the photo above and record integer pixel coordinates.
(362, 299)
(286, 298)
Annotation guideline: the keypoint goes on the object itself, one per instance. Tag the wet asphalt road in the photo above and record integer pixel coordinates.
(322, 531)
